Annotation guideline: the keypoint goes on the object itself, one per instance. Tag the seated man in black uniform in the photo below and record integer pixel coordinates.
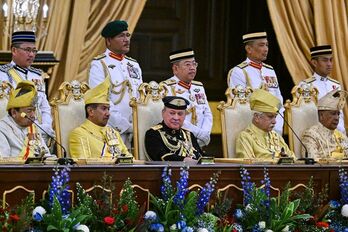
(168, 141)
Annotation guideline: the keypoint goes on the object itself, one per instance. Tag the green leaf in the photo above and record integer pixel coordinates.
(51, 227)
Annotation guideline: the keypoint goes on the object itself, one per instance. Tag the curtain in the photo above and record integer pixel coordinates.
(301, 24)
(73, 33)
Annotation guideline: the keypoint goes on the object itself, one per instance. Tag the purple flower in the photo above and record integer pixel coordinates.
(247, 186)
(267, 189)
(205, 193)
(181, 187)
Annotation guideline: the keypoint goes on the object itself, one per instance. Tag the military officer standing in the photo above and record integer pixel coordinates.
(199, 119)
(125, 74)
(323, 140)
(18, 135)
(23, 54)
(322, 62)
(259, 140)
(93, 138)
(254, 73)
(168, 140)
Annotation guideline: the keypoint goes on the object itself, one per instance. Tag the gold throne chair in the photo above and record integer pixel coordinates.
(68, 110)
(301, 113)
(235, 117)
(5, 88)
(147, 112)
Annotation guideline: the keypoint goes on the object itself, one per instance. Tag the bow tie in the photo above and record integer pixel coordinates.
(255, 65)
(116, 56)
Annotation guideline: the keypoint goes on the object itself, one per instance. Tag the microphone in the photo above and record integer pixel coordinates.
(306, 158)
(61, 161)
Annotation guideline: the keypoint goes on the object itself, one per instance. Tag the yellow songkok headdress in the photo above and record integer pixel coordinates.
(99, 94)
(263, 101)
(333, 100)
(24, 95)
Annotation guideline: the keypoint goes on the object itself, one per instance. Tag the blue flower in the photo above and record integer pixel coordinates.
(156, 227)
(37, 217)
(180, 225)
(238, 214)
(187, 229)
(181, 187)
(247, 186)
(150, 216)
(334, 204)
(205, 193)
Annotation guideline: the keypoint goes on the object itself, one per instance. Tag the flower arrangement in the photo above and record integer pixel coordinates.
(261, 212)
(17, 218)
(180, 209)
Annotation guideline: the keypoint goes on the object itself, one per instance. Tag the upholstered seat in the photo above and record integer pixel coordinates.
(68, 110)
(4, 90)
(301, 113)
(235, 117)
(147, 112)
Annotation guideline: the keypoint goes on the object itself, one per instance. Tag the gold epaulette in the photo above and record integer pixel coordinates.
(267, 66)
(169, 82)
(334, 81)
(101, 56)
(197, 83)
(309, 80)
(242, 65)
(157, 127)
(130, 58)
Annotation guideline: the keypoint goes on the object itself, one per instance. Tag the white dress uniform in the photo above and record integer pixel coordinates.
(325, 85)
(126, 77)
(13, 138)
(199, 122)
(247, 74)
(11, 73)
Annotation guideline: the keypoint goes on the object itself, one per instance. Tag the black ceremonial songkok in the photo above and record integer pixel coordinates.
(254, 36)
(320, 51)
(174, 102)
(23, 36)
(181, 54)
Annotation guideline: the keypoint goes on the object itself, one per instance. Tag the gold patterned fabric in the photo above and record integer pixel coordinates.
(92, 141)
(324, 143)
(256, 143)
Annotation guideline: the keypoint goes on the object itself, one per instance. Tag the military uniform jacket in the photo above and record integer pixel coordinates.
(247, 75)
(324, 143)
(325, 85)
(13, 137)
(11, 73)
(163, 143)
(89, 141)
(199, 119)
(256, 143)
(125, 77)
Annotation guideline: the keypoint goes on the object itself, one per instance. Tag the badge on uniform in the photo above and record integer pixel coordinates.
(133, 72)
(200, 98)
(112, 66)
(271, 81)
(197, 90)
(40, 86)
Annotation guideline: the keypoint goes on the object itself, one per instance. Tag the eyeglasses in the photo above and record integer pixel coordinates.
(190, 64)
(28, 50)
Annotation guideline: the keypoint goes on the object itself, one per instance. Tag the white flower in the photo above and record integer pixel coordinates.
(38, 213)
(269, 230)
(344, 210)
(83, 228)
(150, 215)
(248, 207)
(262, 224)
(202, 230)
(173, 227)
(286, 229)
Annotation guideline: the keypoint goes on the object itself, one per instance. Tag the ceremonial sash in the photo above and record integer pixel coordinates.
(26, 151)
(15, 76)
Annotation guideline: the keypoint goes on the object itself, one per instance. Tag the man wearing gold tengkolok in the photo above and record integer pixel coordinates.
(168, 140)
(19, 137)
(23, 52)
(324, 140)
(125, 74)
(259, 140)
(93, 138)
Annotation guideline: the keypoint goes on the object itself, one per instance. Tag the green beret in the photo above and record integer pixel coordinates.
(114, 28)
